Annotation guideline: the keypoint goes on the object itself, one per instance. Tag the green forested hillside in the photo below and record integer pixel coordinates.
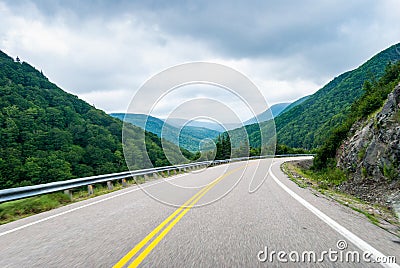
(50, 135)
(374, 95)
(189, 137)
(296, 103)
(306, 125)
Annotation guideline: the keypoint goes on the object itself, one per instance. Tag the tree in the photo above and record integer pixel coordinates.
(223, 145)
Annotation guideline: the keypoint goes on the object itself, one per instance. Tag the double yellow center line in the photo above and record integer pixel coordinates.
(170, 222)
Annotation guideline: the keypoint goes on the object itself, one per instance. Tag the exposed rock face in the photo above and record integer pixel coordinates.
(372, 156)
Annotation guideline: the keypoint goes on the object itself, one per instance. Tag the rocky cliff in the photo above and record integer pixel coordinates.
(371, 156)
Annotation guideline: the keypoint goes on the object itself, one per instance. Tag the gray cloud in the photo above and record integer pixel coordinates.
(290, 48)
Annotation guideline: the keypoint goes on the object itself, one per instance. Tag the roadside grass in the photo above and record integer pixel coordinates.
(18, 209)
(324, 179)
(325, 182)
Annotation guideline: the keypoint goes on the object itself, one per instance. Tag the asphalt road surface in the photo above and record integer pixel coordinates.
(237, 215)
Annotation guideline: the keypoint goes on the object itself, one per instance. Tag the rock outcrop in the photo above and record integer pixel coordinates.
(371, 156)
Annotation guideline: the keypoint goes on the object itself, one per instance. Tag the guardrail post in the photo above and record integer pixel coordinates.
(168, 172)
(69, 193)
(90, 189)
(155, 175)
(110, 185)
(146, 177)
(123, 182)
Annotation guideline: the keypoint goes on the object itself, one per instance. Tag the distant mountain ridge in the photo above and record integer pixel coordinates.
(275, 109)
(272, 112)
(178, 122)
(187, 137)
(294, 104)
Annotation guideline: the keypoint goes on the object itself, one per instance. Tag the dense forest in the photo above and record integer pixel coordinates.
(375, 92)
(49, 135)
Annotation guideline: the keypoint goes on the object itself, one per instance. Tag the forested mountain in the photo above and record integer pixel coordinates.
(50, 135)
(307, 124)
(272, 112)
(366, 147)
(381, 128)
(294, 104)
(187, 137)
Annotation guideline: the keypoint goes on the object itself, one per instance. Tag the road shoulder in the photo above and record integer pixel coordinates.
(378, 215)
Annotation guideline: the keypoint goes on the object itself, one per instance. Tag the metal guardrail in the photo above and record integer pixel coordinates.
(29, 191)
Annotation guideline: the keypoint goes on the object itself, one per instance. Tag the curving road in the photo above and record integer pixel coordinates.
(226, 221)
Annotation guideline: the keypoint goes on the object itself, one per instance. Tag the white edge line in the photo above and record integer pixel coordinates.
(361, 244)
(88, 205)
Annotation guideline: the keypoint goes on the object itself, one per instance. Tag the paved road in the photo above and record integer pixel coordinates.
(225, 224)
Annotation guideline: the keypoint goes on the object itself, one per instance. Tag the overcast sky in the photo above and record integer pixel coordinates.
(103, 51)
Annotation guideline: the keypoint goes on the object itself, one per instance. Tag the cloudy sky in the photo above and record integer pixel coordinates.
(103, 51)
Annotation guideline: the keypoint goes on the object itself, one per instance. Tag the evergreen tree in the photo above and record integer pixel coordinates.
(223, 145)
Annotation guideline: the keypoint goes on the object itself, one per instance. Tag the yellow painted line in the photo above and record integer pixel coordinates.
(157, 240)
(132, 253)
(185, 207)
